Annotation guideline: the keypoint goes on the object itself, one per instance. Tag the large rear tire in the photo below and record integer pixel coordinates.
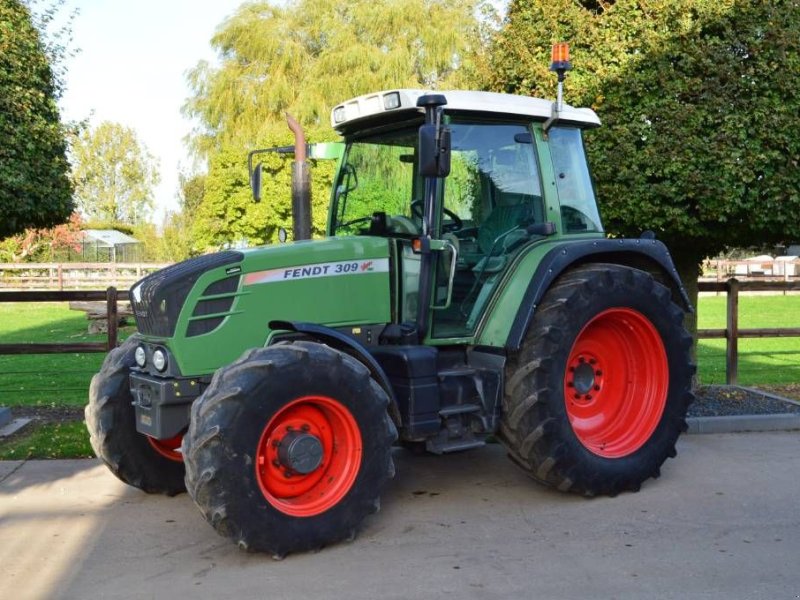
(289, 448)
(597, 396)
(136, 459)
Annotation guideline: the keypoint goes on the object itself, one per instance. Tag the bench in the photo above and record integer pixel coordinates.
(97, 314)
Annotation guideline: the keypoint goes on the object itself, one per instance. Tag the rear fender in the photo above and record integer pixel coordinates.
(644, 254)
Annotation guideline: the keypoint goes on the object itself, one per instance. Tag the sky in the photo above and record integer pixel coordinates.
(131, 68)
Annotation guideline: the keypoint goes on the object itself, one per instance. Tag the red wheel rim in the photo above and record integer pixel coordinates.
(331, 430)
(169, 448)
(616, 383)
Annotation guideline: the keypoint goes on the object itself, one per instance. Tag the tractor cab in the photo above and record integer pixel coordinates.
(510, 186)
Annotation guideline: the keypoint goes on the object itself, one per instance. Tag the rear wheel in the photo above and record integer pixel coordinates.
(289, 448)
(150, 465)
(597, 395)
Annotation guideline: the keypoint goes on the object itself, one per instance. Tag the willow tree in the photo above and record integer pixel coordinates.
(700, 109)
(303, 57)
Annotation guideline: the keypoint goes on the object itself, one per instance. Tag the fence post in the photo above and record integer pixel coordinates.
(732, 333)
(111, 314)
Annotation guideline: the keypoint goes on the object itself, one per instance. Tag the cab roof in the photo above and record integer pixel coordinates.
(387, 105)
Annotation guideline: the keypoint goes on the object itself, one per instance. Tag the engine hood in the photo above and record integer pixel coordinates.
(336, 282)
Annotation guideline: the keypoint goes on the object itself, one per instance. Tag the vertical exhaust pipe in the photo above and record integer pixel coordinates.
(301, 183)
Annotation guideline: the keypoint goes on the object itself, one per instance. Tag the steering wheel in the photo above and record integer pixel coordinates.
(455, 221)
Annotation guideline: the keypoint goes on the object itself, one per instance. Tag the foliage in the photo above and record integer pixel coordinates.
(303, 57)
(43, 245)
(173, 243)
(114, 174)
(35, 191)
(700, 109)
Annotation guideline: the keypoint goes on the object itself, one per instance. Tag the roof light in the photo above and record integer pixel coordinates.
(391, 101)
(560, 57)
(339, 114)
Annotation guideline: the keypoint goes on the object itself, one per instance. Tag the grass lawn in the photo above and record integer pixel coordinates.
(52, 440)
(762, 361)
(46, 379)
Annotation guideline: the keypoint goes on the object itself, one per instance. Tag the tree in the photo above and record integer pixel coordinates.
(35, 190)
(304, 56)
(700, 105)
(114, 174)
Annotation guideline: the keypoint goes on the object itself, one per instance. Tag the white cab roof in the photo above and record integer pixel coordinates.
(347, 113)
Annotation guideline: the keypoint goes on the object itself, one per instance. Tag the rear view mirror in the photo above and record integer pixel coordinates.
(434, 154)
(255, 183)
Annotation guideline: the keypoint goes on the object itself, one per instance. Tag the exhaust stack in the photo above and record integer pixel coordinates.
(301, 183)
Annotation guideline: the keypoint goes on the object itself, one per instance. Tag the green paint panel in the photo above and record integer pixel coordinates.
(500, 315)
(333, 282)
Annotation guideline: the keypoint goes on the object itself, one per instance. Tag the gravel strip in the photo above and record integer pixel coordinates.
(723, 400)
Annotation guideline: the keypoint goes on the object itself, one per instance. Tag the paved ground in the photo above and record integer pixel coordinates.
(722, 522)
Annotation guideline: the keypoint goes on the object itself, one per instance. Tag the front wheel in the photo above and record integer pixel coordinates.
(597, 395)
(289, 448)
(154, 466)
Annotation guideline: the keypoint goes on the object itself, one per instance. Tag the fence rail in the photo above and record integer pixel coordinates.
(111, 296)
(72, 276)
(732, 333)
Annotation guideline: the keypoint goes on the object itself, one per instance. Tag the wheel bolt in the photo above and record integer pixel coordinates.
(572, 369)
(598, 373)
(287, 474)
(289, 428)
(570, 384)
(577, 396)
(276, 463)
(581, 360)
(596, 388)
(306, 427)
(588, 396)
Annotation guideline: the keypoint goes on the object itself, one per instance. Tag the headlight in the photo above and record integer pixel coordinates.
(140, 356)
(160, 360)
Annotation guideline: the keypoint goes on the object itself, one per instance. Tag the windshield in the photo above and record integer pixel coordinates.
(378, 176)
(494, 173)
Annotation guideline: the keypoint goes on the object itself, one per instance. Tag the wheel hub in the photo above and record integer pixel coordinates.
(300, 452)
(585, 378)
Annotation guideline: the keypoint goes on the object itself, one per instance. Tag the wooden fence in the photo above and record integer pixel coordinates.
(110, 296)
(732, 333)
(72, 276)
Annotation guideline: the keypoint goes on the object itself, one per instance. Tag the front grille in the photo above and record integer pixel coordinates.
(213, 306)
(157, 299)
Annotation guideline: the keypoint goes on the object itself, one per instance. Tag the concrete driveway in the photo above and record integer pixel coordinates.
(723, 521)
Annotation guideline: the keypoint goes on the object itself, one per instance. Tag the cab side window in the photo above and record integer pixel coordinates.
(573, 183)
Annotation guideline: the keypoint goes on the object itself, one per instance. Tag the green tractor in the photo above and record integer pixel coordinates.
(464, 290)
